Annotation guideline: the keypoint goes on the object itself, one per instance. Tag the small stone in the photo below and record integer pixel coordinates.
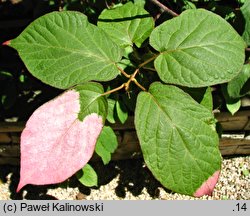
(233, 184)
(80, 196)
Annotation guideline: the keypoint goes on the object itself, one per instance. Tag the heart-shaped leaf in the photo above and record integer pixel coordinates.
(60, 136)
(127, 24)
(197, 48)
(178, 140)
(63, 49)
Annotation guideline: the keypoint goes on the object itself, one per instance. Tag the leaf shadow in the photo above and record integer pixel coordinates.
(133, 177)
(125, 18)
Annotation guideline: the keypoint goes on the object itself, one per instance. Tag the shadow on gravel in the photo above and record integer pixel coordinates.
(133, 177)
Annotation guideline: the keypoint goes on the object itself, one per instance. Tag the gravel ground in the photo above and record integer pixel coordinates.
(130, 180)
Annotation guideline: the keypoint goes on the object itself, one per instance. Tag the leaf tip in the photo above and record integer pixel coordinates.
(207, 187)
(6, 43)
(20, 186)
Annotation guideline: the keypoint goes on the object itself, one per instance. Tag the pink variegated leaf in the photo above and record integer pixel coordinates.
(60, 136)
(208, 186)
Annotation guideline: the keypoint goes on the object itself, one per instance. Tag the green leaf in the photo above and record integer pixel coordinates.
(233, 107)
(246, 172)
(125, 63)
(188, 5)
(178, 143)
(87, 176)
(239, 86)
(91, 100)
(232, 104)
(121, 111)
(127, 24)
(63, 49)
(202, 95)
(207, 100)
(140, 2)
(197, 48)
(111, 109)
(106, 144)
(245, 9)
(242, 1)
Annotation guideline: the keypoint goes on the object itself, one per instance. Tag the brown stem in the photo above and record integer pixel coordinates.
(114, 90)
(248, 49)
(147, 61)
(148, 68)
(123, 72)
(139, 85)
(132, 77)
(165, 8)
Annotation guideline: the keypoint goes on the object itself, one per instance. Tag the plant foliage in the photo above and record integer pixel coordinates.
(165, 65)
